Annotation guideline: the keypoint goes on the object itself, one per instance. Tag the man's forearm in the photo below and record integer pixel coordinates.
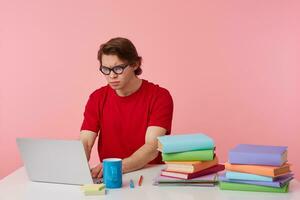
(88, 139)
(88, 150)
(140, 158)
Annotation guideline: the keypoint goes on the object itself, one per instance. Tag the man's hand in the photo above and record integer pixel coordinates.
(97, 171)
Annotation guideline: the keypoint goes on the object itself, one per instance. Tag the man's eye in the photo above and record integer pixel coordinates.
(118, 68)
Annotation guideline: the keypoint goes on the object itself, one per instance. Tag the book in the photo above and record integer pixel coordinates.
(279, 182)
(190, 166)
(208, 180)
(247, 176)
(186, 142)
(186, 184)
(255, 188)
(211, 170)
(260, 169)
(251, 154)
(197, 155)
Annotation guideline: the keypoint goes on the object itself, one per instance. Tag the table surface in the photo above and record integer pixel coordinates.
(18, 186)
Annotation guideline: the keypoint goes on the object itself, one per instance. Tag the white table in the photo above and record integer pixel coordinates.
(18, 186)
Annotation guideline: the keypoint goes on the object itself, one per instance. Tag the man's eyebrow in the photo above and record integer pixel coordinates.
(113, 66)
(118, 65)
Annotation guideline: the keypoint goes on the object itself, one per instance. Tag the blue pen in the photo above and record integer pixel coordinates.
(131, 184)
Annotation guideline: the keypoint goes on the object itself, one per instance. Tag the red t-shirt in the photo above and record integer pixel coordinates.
(123, 121)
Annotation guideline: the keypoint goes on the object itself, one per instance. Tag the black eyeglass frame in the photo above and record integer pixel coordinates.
(114, 69)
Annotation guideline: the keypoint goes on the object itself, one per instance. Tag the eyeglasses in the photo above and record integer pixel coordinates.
(116, 69)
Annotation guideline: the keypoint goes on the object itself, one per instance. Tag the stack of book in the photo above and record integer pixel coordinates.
(187, 157)
(93, 189)
(257, 168)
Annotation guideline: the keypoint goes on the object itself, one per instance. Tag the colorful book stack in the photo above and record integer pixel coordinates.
(188, 156)
(93, 189)
(257, 168)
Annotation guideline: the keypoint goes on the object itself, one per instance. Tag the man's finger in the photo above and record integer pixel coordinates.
(95, 172)
(100, 173)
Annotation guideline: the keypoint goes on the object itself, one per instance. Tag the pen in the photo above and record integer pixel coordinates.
(131, 184)
(140, 180)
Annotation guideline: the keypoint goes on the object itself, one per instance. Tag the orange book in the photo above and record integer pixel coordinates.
(263, 170)
(190, 166)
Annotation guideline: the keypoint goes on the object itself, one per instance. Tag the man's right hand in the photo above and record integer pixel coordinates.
(97, 171)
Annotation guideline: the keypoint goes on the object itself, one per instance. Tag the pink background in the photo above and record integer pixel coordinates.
(232, 67)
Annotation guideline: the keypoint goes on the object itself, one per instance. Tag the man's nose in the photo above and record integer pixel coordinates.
(113, 74)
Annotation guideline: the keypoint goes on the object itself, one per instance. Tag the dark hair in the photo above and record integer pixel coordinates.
(124, 49)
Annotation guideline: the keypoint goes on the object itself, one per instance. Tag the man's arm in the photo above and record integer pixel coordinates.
(88, 139)
(146, 153)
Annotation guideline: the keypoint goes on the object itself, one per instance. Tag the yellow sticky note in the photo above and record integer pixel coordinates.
(96, 192)
(93, 187)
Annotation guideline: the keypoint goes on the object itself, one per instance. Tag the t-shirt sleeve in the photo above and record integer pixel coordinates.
(91, 119)
(162, 111)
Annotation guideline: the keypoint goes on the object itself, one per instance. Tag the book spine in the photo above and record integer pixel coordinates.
(246, 176)
(254, 158)
(262, 183)
(251, 169)
(189, 156)
(248, 187)
(177, 147)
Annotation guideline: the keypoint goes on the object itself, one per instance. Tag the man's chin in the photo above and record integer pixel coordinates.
(115, 87)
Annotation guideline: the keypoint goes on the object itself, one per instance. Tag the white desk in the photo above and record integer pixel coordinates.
(17, 186)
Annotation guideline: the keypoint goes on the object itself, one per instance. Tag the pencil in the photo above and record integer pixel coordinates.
(140, 180)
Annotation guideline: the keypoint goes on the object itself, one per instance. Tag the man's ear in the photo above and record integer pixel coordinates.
(135, 66)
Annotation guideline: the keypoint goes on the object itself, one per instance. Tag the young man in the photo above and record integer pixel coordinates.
(128, 114)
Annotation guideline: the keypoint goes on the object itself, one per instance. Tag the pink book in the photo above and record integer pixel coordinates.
(180, 175)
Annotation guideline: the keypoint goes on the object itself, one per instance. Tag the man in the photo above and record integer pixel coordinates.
(128, 114)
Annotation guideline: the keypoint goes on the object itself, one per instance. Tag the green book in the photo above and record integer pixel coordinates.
(255, 188)
(199, 155)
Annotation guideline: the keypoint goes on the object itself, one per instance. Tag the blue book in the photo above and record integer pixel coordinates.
(185, 142)
(250, 154)
(279, 182)
(248, 177)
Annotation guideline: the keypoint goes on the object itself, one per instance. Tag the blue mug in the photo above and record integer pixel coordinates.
(112, 172)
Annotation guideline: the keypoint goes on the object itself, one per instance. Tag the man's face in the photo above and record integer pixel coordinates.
(117, 81)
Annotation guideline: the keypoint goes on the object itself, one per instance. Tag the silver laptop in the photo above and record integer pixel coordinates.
(55, 161)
